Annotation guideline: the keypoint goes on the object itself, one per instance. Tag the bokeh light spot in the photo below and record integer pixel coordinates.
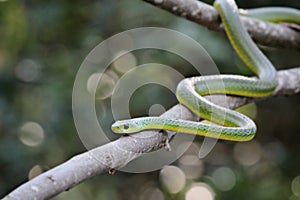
(172, 178)
(191, 165)
(125, 62)
(112, 74)
(35, 171)
(275, 151)
(224, 178)
(199, 191)
(152, 194)
(27, 70)
(31, 134)
(156, 110)
(296, 186)
(247, 154)
(104, 87)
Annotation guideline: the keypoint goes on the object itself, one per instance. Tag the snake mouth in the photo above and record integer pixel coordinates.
(115, 127)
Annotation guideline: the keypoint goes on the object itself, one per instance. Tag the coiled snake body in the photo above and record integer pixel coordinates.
(227, 124)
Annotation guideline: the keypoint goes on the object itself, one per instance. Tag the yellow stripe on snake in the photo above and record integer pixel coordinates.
(227, 124)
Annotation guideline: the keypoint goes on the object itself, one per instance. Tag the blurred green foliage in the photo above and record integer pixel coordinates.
(42, 46)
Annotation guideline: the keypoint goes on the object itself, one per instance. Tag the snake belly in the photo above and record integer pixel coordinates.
(227, 124)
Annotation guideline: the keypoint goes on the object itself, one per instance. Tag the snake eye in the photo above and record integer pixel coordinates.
(126, 126)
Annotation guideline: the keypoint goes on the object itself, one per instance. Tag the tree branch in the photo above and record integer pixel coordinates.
(265, 33)
(120, 152)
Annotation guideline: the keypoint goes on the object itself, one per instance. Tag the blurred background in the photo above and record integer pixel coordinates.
(42, 46)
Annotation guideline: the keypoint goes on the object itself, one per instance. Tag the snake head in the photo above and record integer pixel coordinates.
(126, 126)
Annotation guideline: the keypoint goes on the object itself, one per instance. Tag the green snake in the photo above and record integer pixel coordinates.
(226, 124)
